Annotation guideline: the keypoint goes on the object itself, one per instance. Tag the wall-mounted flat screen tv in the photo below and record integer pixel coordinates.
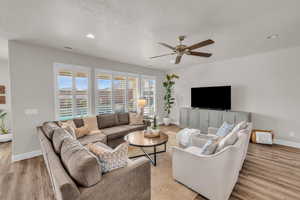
(218, 97)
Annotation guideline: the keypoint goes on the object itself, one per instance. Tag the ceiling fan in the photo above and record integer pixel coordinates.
(182, 49)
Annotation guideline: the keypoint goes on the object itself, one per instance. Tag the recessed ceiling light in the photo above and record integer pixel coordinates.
(90, 36)
(274, 36)
(68, 48)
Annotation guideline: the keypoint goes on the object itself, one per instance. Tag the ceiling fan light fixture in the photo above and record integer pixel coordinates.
(90, 36)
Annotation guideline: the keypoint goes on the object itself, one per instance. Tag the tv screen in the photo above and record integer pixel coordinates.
(218, 98)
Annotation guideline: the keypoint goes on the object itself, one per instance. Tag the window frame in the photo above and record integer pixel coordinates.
(57, 67)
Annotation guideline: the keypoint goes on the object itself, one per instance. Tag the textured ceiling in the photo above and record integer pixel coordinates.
(128, 31)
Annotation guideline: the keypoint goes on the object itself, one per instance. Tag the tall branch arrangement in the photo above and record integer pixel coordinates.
(168, 84)
(3, 129)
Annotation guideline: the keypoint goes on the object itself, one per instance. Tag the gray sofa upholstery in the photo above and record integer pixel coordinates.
(113, 185)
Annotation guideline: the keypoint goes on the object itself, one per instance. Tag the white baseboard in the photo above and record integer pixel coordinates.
(25, 156)
(287, 143)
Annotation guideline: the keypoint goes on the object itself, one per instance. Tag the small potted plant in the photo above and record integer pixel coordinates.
(3, 129)
(169, 100)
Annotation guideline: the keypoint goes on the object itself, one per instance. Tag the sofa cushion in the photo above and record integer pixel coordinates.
(81, 164)
(58, 137)
(68, 126)
(115, 132)
(78, 122)
(123, 118)
(91, 123)
(48, 128)
(107, 120)
(132, 128)
(136, 119)
(111, 159)
(93, 139)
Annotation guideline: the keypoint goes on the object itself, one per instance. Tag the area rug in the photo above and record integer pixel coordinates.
(163, 186)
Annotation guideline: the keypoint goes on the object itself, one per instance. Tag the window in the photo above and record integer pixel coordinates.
(132, 93)
(116, 92)
(148, 92)
(119, 93)
(103, 93)
(72, 91)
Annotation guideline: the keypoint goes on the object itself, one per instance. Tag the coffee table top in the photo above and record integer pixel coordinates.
(137, 139)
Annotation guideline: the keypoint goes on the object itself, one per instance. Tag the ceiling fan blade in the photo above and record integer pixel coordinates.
(178, 58)
(167, 54)
(166, 45)
(200, 44)
(194, 53)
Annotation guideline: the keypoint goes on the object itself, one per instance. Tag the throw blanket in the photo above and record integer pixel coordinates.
(184, 136)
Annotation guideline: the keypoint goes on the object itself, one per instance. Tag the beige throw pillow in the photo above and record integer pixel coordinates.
(82, 131)
(136, 119)
(91, 123)
(110, 159)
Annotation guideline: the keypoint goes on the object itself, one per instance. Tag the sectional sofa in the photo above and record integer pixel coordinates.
(130, 183)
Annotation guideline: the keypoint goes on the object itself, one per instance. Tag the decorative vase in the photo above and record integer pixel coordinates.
(167, 121)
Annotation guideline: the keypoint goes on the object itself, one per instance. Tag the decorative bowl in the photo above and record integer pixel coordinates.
(151, 133)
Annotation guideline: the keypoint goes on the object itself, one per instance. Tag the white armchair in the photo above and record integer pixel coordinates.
(212, 176)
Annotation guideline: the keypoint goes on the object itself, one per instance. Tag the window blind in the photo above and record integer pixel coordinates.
(103, 93)
(119, 93)
(65, 94)
(132, 93)
(72, 93)
(148, 93)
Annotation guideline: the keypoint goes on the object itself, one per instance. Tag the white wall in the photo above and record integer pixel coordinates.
(266, 85)
(32, 82)
(4, 80)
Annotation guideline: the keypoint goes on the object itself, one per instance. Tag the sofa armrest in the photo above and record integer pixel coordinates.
(130, 183)
(212, 130)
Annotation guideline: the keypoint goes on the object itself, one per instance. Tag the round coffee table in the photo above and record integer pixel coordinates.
(137, 139)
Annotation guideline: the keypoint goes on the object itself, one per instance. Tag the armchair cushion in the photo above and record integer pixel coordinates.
(210, 147)
(224, 129)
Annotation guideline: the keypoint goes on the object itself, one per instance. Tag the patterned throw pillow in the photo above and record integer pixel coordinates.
(136, 119)
(110, 159)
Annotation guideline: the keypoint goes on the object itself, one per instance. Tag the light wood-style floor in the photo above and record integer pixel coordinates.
(269, 172)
